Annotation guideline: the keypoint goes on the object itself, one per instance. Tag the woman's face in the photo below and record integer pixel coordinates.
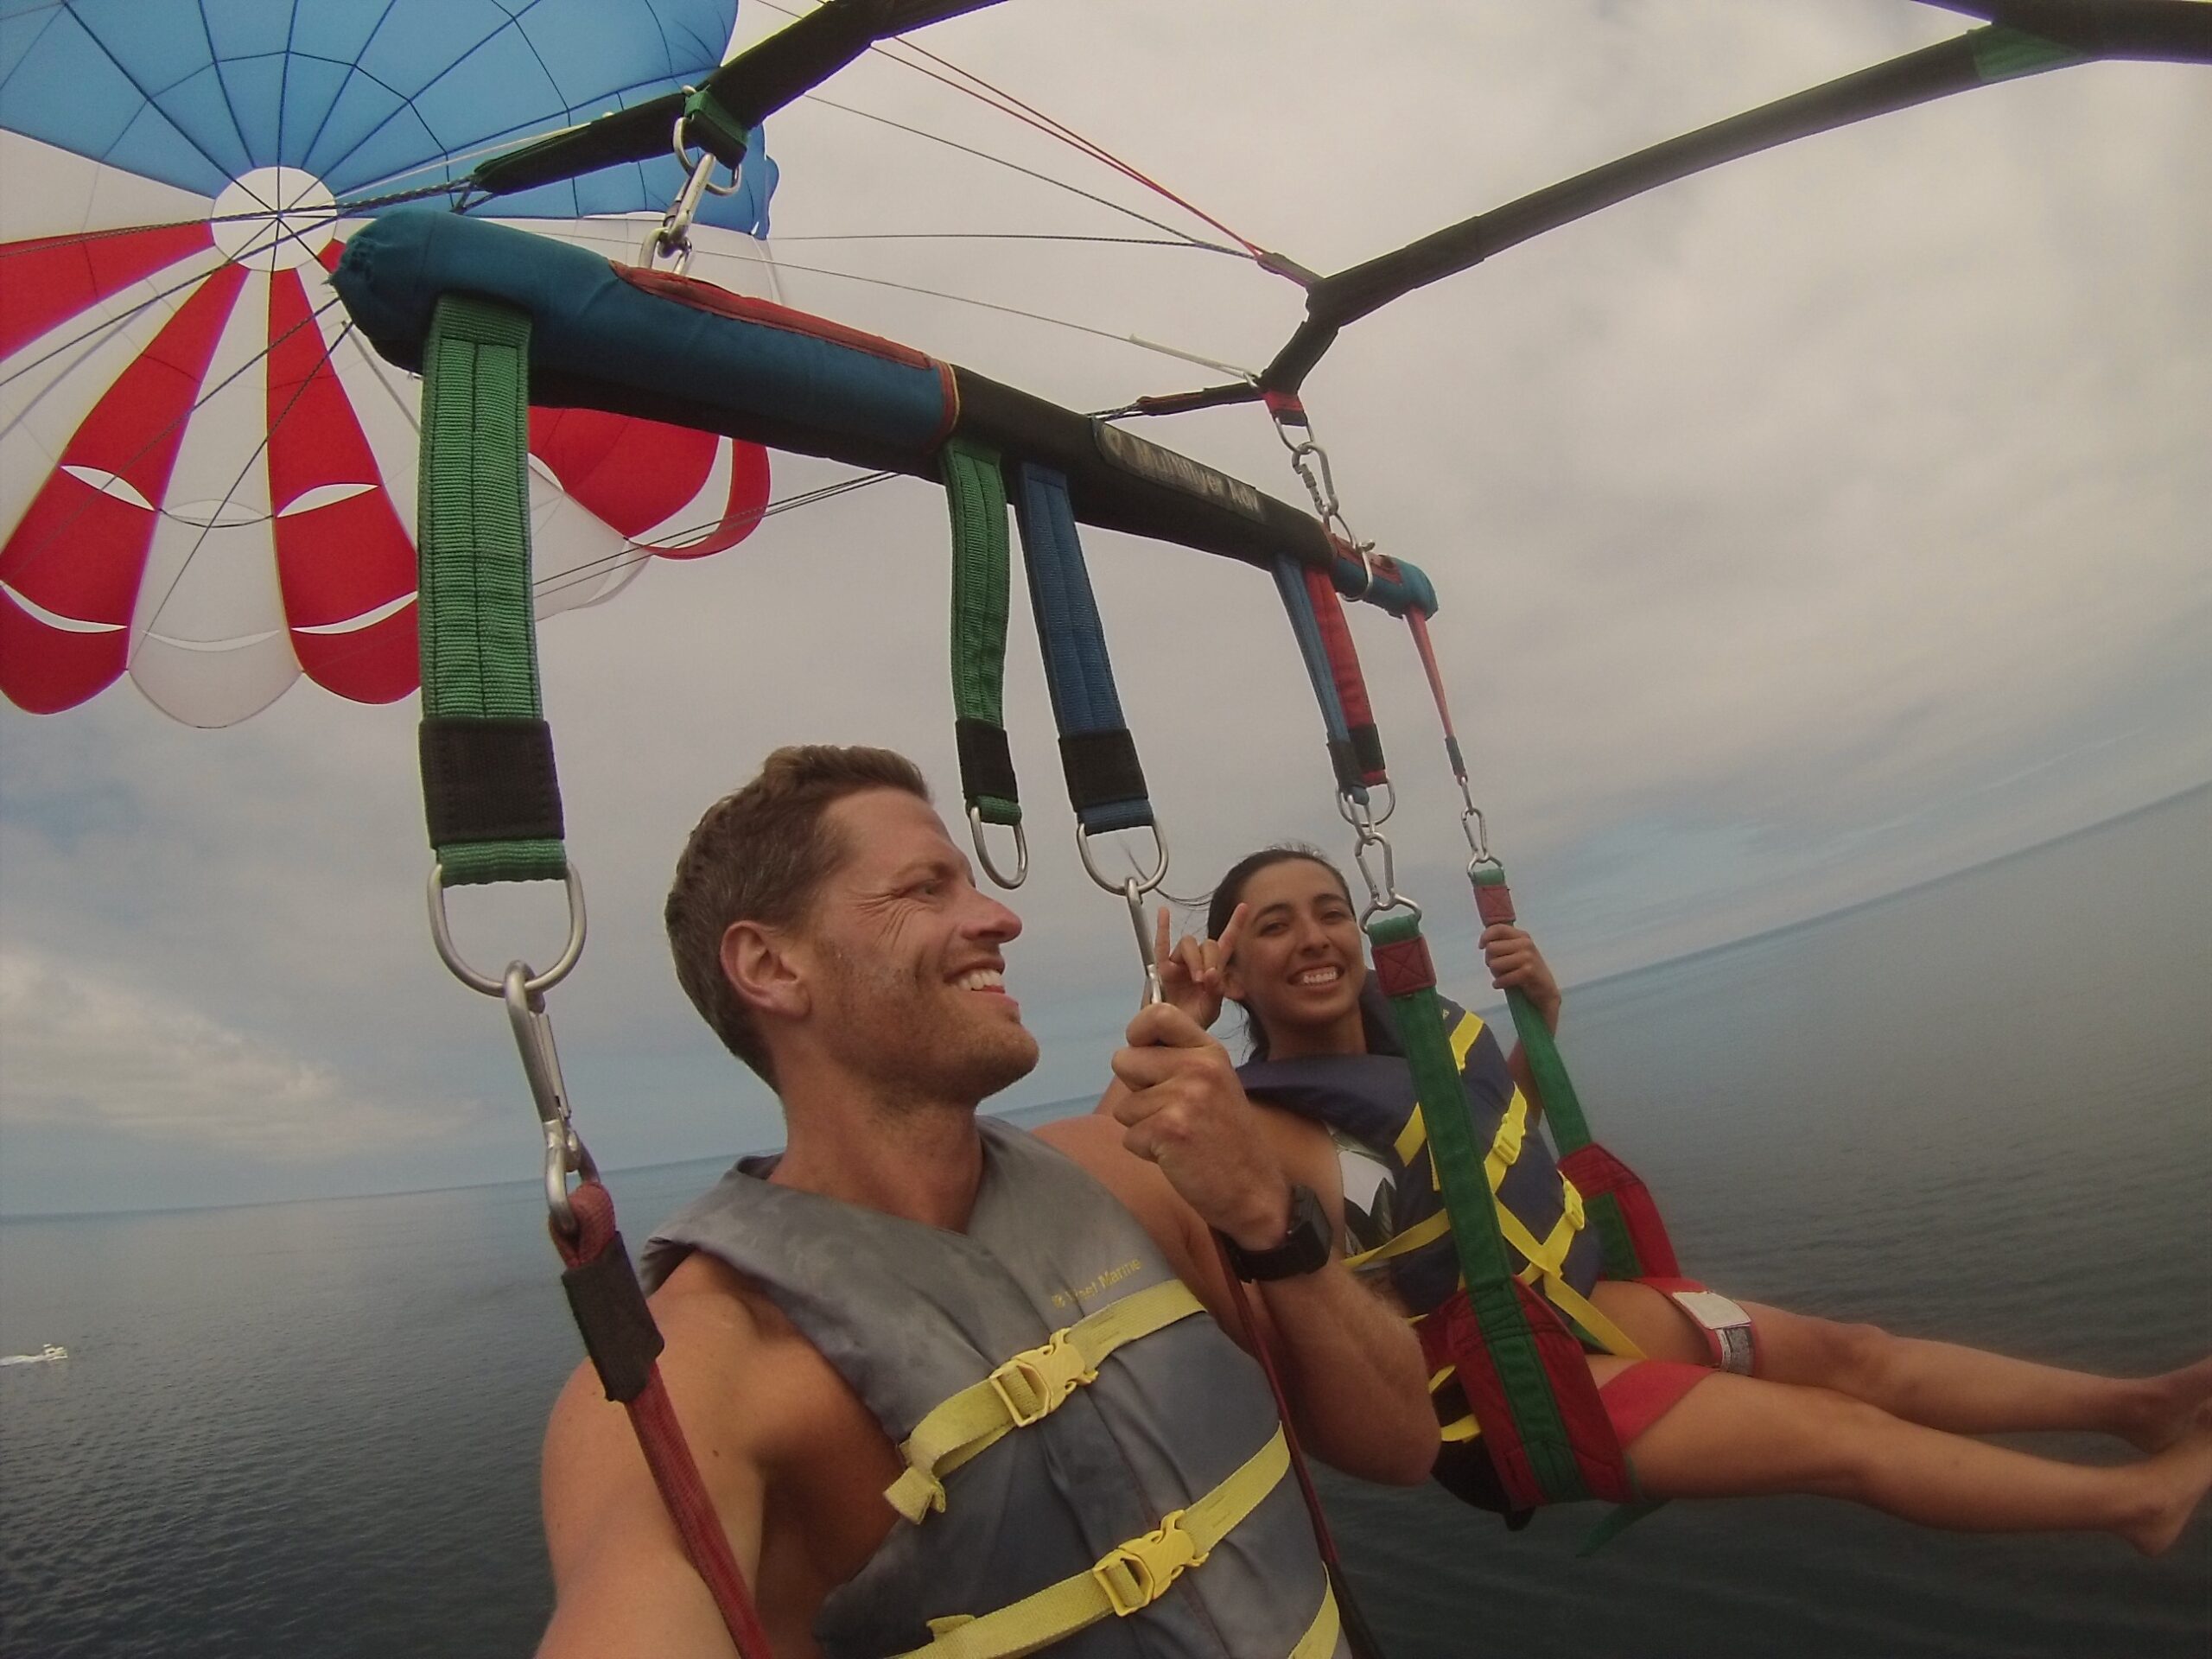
(1302, 960)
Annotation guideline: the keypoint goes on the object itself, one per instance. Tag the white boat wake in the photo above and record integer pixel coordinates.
(52, 1352)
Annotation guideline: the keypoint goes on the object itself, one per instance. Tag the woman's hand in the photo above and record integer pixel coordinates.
(1516, 965)
(1190, 973)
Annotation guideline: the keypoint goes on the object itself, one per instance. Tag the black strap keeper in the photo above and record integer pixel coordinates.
(1367, 749)
(619, 1331)
(1346, 764)
(1102, 768)
(485, 779)
(1451, 753)
(986, 762)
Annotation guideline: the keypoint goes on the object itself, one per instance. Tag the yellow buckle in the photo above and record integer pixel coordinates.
(1138, 1573)
(1570, 1202)
(1506, 1148)
(1032, 1384)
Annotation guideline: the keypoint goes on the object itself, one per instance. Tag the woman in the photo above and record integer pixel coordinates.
(1841, 1410)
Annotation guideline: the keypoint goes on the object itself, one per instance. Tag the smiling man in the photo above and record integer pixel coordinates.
(957, 1389)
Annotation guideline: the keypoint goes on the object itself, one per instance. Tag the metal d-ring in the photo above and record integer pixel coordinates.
(565, 1152)
(1347, 806)
(705, 161)
(1145, 884)
(984, 853)
(442, 936)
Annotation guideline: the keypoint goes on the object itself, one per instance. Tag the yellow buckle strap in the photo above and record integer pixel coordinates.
(1025, 1389)
(1032, 1384)
(1126, 1580)
(1135, 1574)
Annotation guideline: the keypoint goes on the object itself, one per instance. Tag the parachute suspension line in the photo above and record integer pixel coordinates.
(1042, 178)
(969, 85)
(1028, 114)
(975, 491)
(640, 552)
(493, 802)
(1620, 1207)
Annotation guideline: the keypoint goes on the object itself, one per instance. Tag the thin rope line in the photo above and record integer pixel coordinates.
(1028, 172)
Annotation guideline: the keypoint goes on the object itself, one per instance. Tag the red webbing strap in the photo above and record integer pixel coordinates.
(1453, 1336)
(1358, 1636)
(1595, 1173)
(619, 1332)
(1426, 649)
(1344, 668)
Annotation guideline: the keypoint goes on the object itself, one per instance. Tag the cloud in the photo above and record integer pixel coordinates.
(93, 1054)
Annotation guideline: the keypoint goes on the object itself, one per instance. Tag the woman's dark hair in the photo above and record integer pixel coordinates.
(1229, 893)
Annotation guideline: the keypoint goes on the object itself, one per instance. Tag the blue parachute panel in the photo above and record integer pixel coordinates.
(370, 96)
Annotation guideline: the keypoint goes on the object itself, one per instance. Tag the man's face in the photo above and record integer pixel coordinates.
(907, 963)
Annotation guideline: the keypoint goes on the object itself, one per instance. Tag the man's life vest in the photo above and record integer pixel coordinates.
(1094, 1467)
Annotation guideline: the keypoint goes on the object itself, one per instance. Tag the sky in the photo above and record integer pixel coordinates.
(1804, 531)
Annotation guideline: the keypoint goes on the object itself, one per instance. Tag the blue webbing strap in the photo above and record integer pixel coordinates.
(1290, 582)
(1105, 784)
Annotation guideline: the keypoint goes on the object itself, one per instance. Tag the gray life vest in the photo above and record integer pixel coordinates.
(1105, 1489)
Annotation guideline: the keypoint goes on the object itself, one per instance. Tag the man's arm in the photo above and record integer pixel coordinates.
(1192, 1154)
(622, 1583)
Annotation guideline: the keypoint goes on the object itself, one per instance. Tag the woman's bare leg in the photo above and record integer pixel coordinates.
(1938, 1384)
(1740, 1436)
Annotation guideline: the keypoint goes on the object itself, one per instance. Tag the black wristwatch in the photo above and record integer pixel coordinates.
(1305, 1249)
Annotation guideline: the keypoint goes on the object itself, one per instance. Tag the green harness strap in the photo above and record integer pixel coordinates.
(488, 784)
(975, 490)
(1457, 1161)
(1563, 1105)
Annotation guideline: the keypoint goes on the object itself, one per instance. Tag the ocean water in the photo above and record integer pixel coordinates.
(1982, 1110)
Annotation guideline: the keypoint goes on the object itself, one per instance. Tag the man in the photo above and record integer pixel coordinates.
(868, 1338)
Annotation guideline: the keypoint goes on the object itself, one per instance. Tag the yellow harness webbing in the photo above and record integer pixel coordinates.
(1545, 1257)
(1026, 1388)
(1130, 1577)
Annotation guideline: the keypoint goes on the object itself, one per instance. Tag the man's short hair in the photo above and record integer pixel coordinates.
(760, 855)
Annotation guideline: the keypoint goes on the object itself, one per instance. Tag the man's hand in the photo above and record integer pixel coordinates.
(1516, 965)
(1186, 1112)
(1189, 972)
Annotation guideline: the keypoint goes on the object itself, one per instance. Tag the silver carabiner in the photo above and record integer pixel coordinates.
(565, 1152)
(1384, 895)
(442, 936)
(984, 853)
(1153, 990)
(1159, 873)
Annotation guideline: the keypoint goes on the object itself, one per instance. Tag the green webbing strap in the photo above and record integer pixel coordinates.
(1402, 965)
(488, 784)
(975, 489)
(1562, 1106)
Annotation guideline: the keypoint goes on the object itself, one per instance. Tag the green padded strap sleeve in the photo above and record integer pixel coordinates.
(975, 490)
(477, 627)
(1563, 1105)
(1457, 1161)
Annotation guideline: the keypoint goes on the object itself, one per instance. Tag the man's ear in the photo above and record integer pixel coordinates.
(762, 966)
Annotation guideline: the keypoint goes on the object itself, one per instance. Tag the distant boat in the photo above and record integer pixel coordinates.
(52, 1351)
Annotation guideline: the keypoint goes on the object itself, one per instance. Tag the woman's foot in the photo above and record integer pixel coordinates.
(2171, 1405)
(2175, 1480)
